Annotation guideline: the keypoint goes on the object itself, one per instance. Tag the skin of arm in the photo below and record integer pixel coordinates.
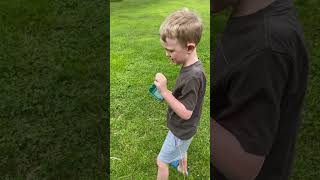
(229, 157)
(176, 105)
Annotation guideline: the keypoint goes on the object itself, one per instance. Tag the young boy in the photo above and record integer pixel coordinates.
(179, 35)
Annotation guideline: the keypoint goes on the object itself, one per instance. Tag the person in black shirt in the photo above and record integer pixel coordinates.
(258, 82)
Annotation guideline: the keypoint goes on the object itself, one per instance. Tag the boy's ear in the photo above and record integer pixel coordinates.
(191, 47)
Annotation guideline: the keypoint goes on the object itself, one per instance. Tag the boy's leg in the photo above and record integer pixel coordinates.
(165, 157)
(163, 170)
(183, 164)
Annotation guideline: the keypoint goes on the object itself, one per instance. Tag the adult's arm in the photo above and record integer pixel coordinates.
(230, 158)
(243, 134)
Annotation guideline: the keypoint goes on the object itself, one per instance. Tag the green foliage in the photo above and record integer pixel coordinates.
(307, 162)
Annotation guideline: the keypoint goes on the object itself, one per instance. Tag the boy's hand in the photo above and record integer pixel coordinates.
(161, 82)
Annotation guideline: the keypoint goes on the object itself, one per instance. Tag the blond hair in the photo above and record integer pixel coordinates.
(184, 25)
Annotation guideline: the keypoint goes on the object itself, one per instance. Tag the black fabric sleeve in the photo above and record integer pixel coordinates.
(255, 91)
(189, 93)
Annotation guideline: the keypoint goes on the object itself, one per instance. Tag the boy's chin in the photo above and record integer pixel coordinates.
(176, 62)
(173, 62)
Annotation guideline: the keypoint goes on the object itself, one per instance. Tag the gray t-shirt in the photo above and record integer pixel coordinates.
(189, 90)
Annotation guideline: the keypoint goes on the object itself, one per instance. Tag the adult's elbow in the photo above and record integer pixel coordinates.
(251, 166)
(242, 177)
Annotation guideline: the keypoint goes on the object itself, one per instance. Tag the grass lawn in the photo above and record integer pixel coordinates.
(53, 89)
(137, 121)
(307, 160)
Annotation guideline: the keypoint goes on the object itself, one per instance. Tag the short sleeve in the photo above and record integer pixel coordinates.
(255, 91)
(189, 93)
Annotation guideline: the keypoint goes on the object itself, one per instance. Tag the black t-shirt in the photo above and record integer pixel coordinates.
(189, 90)
(258, 83)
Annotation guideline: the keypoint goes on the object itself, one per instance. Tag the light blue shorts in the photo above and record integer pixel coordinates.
(173, 148)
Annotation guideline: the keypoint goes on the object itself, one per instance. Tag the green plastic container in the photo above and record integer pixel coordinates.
(155, 93)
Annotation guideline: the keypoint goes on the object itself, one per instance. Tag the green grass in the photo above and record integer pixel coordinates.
(137, 121)
(307, 160)
(53, 89)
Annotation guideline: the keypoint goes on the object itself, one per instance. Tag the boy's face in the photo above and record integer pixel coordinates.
(175, 51)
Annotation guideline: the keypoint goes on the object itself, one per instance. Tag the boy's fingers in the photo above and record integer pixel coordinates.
(157, 84)
(159, 75)
(158, 78)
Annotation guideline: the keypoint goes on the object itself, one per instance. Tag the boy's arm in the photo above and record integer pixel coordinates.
(176, 105)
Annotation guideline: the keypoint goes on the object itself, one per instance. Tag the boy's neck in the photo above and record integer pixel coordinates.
(191, 60)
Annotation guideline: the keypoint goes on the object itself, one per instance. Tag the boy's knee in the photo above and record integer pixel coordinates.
(161, 165)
